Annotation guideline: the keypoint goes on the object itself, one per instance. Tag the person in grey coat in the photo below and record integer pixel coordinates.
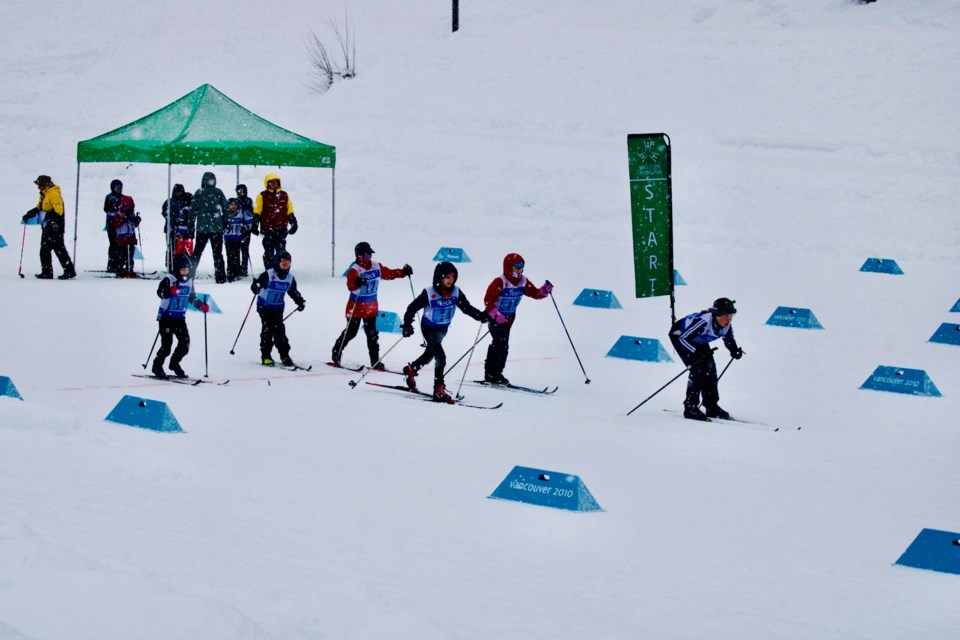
(208, 209)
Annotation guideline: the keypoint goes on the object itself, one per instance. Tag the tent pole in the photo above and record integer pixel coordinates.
(171, 230)
(333, 222)
(76, 214)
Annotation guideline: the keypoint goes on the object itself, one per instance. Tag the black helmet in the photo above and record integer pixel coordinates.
(242, 190)
(180, 261)
(43, 181)
(724, 307)
(116, 185)
(284, 255)
(362, 249)
(441, 270)
(178, 188)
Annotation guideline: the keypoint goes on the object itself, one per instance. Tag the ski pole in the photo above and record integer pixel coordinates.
(476, 341)
(206, 355)
(453, 366)
(23, 241)
(414, 295)
(586, 378)
(287, 317)
(144, 365)
(243, 323)
(354, 383)
(664, 386)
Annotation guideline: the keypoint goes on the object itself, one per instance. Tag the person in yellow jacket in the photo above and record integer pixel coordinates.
(272, 213)
(50, 209)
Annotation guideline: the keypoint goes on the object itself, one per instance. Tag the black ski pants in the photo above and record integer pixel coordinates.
(273, 332)
(433, 337)
(498, 349)
(274, 241)
(702, 380)
(170, 328)
(51, 241)
(350, 332)
(234, 271)
(216, 246)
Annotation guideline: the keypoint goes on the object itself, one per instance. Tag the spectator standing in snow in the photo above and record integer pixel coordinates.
(111, 206)
(272, 217)
(50, 210)
(245, 205)
(691, 337)
(237, 225)
(208, 209)
(177, 227)
(124, 222)
(500, 302)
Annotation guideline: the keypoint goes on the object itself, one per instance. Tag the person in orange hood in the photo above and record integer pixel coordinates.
(503, 296)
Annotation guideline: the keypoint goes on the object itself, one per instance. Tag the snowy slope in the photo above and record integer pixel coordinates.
(806, 138)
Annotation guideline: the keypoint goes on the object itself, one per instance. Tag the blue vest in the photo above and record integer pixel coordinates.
(176, 306)
(440, 311)
(511, 296)
(271, 296)
(697, 329)
(368, 292)
(238, 222)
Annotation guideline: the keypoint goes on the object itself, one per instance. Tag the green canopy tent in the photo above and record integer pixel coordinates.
(207, 127)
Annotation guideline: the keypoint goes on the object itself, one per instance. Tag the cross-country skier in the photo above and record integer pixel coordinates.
(271, 287)
(500, 302)
(691, 336)
(363, 280)
(175, 292)
(439, 302)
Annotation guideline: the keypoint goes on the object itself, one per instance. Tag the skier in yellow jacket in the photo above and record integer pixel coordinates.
(50, 209)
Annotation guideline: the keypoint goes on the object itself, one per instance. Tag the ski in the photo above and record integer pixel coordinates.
(345, 367)
(192, 382)
(422, 395)
(110, 274)
(763, 426)
(546, 391)
(296, 367)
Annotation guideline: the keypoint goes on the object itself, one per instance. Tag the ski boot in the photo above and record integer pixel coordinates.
(717, 412)
(440, 394)
(266, 361)
(495, 378)
(157, 369)
(287, 361)
(692, 412)
(178, 372)
(410, 375)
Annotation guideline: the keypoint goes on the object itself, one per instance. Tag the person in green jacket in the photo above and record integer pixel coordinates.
(208, 209)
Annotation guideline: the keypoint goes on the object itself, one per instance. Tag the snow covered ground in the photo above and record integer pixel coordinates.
(807, 137)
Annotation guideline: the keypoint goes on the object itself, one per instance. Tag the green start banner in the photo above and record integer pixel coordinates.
(651, 207)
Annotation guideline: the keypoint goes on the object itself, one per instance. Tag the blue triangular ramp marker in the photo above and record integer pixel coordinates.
(882, 265)
(348, 269)
(914, 382)
(451, 254)
(136, 253)
(7, 388)
(597, 298)
(794, 317)
(388, 322)
(144, 413)
(947, 334)
(933, 550)
(956, 307)
(206, 297)
(546, 489)
(3, 242)
(633, 348)
(678, 279)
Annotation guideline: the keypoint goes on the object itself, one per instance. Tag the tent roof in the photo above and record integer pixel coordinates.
(206, 127)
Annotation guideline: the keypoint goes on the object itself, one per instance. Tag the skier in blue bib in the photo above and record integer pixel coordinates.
(271, 287)
(691, 337)
(175, 292)
(439, 303)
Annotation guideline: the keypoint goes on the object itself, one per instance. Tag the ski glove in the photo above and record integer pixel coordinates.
(407, 330)
(301, 305)
(30, 214)
(496, 316)
(293, 224)
(255, 287)
(546, 289)
(174, 291)
(203, 306)
(407, 270)
(255, 226)
(737, 353)
(359, 281)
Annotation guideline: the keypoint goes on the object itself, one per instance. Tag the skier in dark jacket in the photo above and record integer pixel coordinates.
(245, 205)
(175, 292)
(691, 337)
(111, 206)
(439, 302)
(177, 223)
(50, 211)
(209, 207)
(271, 287)
(238, 222)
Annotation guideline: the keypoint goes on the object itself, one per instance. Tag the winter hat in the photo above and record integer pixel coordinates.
(180, 261)
(178, 188)
(43, 182)
(724, 307)
(283, 255)
(115, 184)
(442, 270)
(242, 190)
(362, 249)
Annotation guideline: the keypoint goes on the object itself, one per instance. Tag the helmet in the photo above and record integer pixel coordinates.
(116, 185)
(362, 249)
(178, 188)
(442, 270)
(180, 261)
(43, 182)
(284, 255)
(242, 190)
(724, 307)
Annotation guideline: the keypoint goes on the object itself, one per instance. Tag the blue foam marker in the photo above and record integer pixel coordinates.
(136, 253)
(644, 349)
(546, 489)
(933, 550)
(348, 269)
(388, 322)
(206, 297)
(3, 242)
(678, 280)
(7, 388)
(794, 317)
(597, 298)
(947, 334)
(145, 414)
(914, 382)
(451, 254)
(882, 265)
(956, 307)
